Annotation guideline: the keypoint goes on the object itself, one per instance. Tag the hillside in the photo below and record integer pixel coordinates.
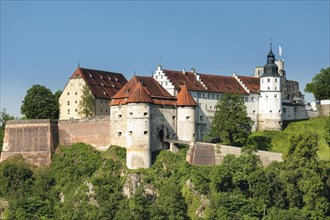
(279, 140)
(82, 183)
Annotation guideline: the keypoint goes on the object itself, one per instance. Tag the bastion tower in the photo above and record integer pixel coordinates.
(270, 101)
(186, 115)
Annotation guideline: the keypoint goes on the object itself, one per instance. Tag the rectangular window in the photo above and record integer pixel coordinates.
(130, 132)
(68, 93)
(145, 132)
(275, 80)
(119, 116)
(187, 117)
(76, 93)
(68, 102)
(201, 118)
(145, 113)
(119, 134)
(130, 114)
(268, 80)
(76, 110)
(173, 117)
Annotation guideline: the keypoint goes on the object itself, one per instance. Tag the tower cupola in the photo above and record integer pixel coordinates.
(270, 69)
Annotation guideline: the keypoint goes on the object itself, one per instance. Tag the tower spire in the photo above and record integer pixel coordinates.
(271, 45)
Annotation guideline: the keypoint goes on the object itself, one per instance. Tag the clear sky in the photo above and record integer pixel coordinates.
(42, 42)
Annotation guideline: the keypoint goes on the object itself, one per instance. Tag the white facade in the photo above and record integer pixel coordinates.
(270, 104)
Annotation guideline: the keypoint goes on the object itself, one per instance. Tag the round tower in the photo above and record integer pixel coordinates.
(138, 154)
(186, 108)
(270, 101)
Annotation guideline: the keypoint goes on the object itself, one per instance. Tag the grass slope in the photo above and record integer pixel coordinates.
(280, 139)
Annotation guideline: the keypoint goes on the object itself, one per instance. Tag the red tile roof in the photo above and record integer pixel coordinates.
(178, 78)
(143, 89)
(223, 84)
(251, 82)
(139, 95)
(185, 98)
(102, 84)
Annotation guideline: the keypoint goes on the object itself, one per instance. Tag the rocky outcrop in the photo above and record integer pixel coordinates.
(133, 181)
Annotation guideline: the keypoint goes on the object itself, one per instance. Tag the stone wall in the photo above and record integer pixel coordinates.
(35, 140)
(94, 131)
(213, 154)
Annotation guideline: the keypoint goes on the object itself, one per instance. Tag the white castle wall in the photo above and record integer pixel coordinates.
(186, 123)
(69, 99)
(138, 154)
(163, 122)
(270, 104)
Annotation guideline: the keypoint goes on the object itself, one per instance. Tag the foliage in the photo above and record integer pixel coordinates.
(327, 131)
(231, 123)
(320, 85)
(86, 102)
(71, 165)
(279, 140)
(57, 96)
(40, 103)
(4, 117)
(82, 183)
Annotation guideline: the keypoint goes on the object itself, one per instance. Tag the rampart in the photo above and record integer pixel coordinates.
(213, 154)
(35, 140)
(93, 130)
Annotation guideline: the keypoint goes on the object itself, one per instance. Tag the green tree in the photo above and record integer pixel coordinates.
(4, 117)
(320, 85)
(39, 103)
(57, 96)
(86, 103)
(327, 131)
(231, 122)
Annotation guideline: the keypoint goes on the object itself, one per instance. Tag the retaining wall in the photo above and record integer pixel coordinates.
(93, 130)
(36, 140)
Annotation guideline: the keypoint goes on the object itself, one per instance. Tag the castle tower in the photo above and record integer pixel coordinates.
(270, 101)
(138, 153)
(186, 115)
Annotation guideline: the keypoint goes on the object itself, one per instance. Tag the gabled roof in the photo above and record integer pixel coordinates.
(180, 78)
(185, 98)
(223, 84)
(143, 89)
(252, 83)
(102, 84)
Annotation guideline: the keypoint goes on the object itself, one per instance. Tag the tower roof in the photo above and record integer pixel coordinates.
(143, 89)
(270, 69)
(184, 98)
(139, 95)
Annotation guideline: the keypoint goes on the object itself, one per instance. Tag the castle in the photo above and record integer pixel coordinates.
(149, 112)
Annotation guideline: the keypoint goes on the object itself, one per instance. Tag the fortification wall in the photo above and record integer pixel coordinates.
(35, 140)
(213, 154)
(325, 108)
(94, 131)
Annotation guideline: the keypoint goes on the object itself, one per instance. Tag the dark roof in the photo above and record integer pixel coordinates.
(251, 82)
(179, 78)
(223, 84)
(102, 84)
(184, 98)
(270, 69)
(143, 89)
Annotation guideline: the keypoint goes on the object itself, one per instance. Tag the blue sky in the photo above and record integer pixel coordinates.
(42, 42)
